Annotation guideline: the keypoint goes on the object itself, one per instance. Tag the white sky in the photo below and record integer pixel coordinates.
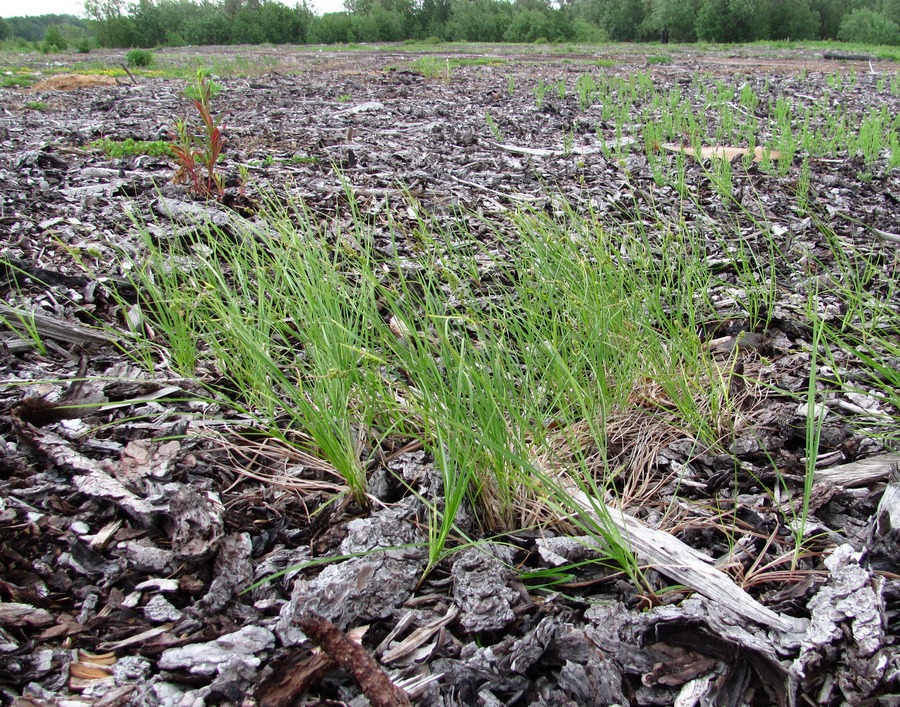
(14, 8)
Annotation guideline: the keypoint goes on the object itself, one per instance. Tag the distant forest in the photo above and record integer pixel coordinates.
(151, 23)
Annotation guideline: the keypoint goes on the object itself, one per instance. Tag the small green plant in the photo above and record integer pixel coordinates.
(815, 415)
(511, 85)
(659, 59)
(432, 67)
(492, 124)
(36, 105)
(749, 99)
(585, 87)
(540, 91)
(568, 143)
(198, 155)
(721, 176)
(344, 98)
(478, 61)
(23, 323)
(139, 58)
(803, 183)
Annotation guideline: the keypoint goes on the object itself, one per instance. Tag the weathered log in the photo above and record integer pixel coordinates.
(845, 56)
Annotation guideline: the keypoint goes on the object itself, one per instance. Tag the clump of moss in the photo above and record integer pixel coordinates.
(130, 147)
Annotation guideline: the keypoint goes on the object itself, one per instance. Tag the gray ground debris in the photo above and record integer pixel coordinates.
(234, 676)
(367, 587)
(847, 610)
(130, 668)
(563, 550)
(481, 587)
(146, 555)
(208, 659)
(159, 610)
(233, 571)
(158, 693)
(594, 683)
(587, 677)
(640, 643)
(193, 213)
(884, 527)
(82, 499)
(19, 614)
(197, 521)
(413, 468)
(416, 470)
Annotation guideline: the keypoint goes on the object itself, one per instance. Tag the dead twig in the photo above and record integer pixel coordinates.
(130, 75)
(353, 658)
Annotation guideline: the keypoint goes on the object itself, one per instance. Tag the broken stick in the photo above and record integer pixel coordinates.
(353, 658)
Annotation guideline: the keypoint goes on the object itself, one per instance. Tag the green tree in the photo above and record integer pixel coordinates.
(34, 28)
(149, 23)
(868, 27)
(891, 10)
(731, 21)
(111, 25)
(531, 25)
(380, 25)
(677, 17)
(208, 28)
(5, 30)
(622, 19)
(54, 40)
(791, 20)
(587, 33)
(366, 7)
(479, 20)
(304, 16)
(527, 26)
(232, 7)
(832, 12)
(280, 24)
(246, 28)
(433, 16)
(330, 28)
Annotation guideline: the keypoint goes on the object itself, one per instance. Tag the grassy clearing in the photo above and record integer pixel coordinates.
(568, 363)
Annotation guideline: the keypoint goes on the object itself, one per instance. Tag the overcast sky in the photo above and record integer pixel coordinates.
(13, 8)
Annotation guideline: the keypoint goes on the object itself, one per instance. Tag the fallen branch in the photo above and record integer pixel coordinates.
(678, 561)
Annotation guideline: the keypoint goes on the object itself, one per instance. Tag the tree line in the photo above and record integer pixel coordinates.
(150, 23)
